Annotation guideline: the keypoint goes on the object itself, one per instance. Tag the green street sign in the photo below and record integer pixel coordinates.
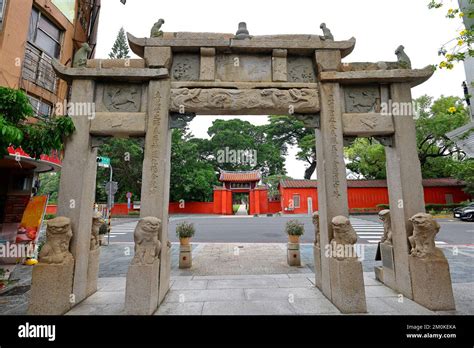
(103, 162)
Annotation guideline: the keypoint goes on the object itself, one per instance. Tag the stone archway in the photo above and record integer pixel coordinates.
(184, 74)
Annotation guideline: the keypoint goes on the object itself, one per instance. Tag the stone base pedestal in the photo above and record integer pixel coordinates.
(388, 264)
(379, 273)
(141, 293)
(347, 285)
(431, 283)
(185, 256)
(93, 271)
(51, 288)
(293, 255)
(317, 267)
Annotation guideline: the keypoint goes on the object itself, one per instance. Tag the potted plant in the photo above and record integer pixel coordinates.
(294, 229)
(184, 231)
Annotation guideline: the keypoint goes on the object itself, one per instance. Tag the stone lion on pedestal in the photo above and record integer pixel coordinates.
(58, 237)
(384, 215)
(147, 242)
(344, 238)
(422, 241)
(317, 238)
(97, 221)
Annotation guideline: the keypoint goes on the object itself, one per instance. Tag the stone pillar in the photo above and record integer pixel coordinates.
(339, 280)
(156, 171)
(331, 173)
(405, 187)
(77, 186)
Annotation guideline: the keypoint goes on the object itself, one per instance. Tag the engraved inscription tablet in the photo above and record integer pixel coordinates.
(243, 68)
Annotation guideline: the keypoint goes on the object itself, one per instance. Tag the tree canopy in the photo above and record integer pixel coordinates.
(120, 48)
(19, 127)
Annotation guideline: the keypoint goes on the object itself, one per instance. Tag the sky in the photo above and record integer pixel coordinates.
(379, 27)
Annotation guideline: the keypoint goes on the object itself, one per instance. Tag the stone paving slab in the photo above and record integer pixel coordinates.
(220, 276)
(248, 308)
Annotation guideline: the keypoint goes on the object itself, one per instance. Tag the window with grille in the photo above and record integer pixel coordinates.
(43, 45)
(40, 108)
(296, 201)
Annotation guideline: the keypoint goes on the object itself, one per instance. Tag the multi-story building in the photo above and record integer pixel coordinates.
(32, 34)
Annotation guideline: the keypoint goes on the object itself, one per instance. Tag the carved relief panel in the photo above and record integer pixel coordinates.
(301, 69)
(186, 67)
(120, 97)
(362, 99)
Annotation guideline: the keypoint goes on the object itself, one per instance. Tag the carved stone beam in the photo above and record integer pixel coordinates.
(118, 124)
(385, 140)
(367, 124)
(309, 120)
(178, 120)
(413, 77)
(112, 74)
(218, 101)
(348, 141)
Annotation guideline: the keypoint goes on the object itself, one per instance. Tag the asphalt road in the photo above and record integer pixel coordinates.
(271, 229)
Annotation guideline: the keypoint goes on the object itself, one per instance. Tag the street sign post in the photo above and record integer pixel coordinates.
(103, 162)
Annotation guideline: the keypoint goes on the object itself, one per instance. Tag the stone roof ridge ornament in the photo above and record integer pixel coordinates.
(403, 59)
(242, 32)
(80, 58)
(327, 33)
(156, 29)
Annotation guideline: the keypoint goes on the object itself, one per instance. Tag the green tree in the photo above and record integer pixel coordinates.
(49, 185)
(19, 127)
(437, 153)
(285, 131)
(460, 46)
(126, 158)
(120, 48)
(272, 182)
(237, 135)
(192, 176)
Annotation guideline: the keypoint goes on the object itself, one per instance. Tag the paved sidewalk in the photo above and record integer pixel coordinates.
(245, 278)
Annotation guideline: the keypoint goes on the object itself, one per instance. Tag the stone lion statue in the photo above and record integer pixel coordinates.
(422, 241)
(343, 231)
(97, 221)
(58, 237)
(317, 238)
(155, 31)
(384, 215)
(80, 58)
(147, 243)
(403, 59)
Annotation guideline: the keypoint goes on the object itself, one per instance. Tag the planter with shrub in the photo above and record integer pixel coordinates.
(185, 231)
(294, 229)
